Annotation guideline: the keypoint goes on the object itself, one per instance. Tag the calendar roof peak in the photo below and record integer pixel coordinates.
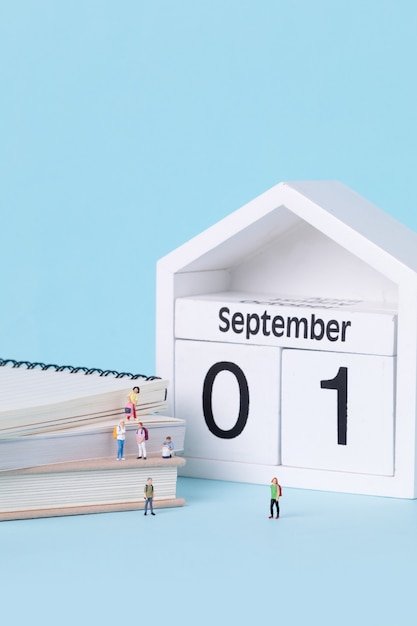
(330, 207)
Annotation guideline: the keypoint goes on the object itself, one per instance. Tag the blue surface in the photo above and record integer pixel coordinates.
(329, 559)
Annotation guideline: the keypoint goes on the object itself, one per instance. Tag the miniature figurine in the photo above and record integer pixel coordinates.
(130, 409)
(140, 440)
(149, 493)
(167, 448)
(276, 491)
(121, 436)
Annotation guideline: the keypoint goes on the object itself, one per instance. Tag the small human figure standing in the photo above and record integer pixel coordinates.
(275, 494)
(167, 448)
(140, 440)
(149, 493)
(133, 397)
(121, 436)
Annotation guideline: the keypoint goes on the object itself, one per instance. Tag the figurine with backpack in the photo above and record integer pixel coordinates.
(119, 433)
(276, 493)
(141, 437)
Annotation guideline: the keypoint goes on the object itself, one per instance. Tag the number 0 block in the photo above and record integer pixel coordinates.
(229, 395)
(338, 412)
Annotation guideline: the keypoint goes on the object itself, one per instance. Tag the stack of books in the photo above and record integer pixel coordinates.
(57, 452)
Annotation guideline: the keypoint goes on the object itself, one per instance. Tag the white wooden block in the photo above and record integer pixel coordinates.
(239, 418)
(334, 325)
(299, 253)
(338, 412)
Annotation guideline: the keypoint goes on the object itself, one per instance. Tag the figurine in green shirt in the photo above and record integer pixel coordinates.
(276, 492)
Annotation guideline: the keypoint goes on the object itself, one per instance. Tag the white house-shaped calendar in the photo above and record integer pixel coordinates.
(289, 332)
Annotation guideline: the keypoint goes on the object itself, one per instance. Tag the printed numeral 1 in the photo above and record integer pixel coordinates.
(339, 383)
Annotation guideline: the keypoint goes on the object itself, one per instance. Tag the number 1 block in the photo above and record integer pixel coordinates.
(338, 412)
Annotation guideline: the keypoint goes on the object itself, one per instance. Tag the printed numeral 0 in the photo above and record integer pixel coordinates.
(240, 424)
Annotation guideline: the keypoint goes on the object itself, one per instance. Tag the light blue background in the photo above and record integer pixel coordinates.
(128, 127)
(125, 129)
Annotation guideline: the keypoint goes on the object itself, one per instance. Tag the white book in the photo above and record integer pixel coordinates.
(37, 400)
(87, 487)
(86, 442)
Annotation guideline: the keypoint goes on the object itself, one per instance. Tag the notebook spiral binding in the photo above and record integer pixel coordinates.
(75, 370)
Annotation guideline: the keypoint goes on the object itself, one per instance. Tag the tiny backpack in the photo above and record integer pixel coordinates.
(146, 433)
(115, 432)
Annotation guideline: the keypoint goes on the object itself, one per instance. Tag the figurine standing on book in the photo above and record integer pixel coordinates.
(133, 397)
(121, 436)
(276, 492)
(141, 437)
(149, 493)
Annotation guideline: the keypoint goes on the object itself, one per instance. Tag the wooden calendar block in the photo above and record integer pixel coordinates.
(229, 396)
(338, 412)
(311, 323)
(311, 272)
